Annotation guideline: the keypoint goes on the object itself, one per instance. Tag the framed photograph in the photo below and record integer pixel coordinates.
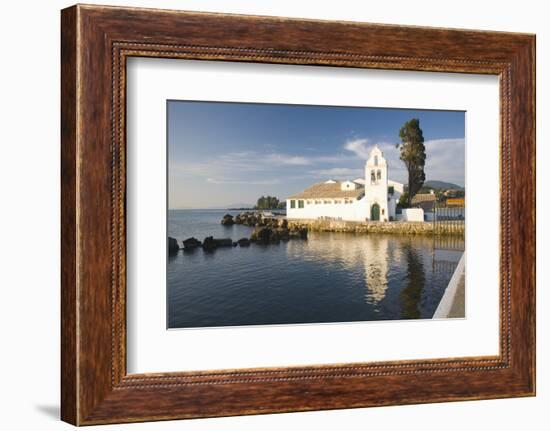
(348, 243)
(267, 215)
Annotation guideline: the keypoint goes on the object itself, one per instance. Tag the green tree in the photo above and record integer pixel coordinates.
(413, 154)
(267, 203)
(404, 200)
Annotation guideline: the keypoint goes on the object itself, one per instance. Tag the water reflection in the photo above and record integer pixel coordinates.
(403, 260)
(331, 277)
(414, 283)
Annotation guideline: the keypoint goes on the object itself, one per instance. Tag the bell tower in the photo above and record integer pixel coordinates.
(376, 186)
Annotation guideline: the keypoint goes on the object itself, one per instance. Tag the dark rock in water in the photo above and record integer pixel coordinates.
(244, 242)
(272, 222)
(223, 242)
(275, 238)
(235, 244)
(298, 233)
(264, 235)
(259, 219)
(208, 244)
(227, 220)
(240, 218)
(191, 244)
(173, 246)
(261, 234)
(283, 233)
(248, 218)
(211, 243)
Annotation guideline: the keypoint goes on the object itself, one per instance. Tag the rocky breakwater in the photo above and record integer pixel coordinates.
(274, 235)
(173, 246)
(227, 220)
(191, 243)
(248, 218)
(267, 230)
(211, 243)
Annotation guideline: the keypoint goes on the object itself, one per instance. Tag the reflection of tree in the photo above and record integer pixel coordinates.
(410, 296)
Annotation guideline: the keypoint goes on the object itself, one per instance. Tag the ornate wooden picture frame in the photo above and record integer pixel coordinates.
(96, 42)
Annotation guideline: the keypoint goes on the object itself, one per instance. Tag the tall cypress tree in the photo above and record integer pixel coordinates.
(413, 154)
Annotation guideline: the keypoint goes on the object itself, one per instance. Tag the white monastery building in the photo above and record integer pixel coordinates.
(372, 198)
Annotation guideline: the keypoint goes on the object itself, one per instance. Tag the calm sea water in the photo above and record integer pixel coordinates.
(331, 277)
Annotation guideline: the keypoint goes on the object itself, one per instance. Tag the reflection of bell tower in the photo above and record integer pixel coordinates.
(376, 186)
(376, 269)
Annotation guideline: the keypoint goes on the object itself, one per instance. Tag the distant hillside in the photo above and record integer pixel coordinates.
(435, 184)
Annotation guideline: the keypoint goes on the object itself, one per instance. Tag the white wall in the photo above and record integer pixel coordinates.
(398, 187)
(412, 214)
(354, 211)
(394, 199)
(29, 220)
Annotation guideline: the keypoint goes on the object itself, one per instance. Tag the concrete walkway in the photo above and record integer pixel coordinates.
(452, 304)
(458, 307)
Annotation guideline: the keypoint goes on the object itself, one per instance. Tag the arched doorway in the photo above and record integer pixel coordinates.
(375, 212)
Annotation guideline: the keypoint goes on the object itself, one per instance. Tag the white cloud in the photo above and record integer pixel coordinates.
(445, 158)
(285, 159)
(362, 147)
(359, 147)
(445, 161)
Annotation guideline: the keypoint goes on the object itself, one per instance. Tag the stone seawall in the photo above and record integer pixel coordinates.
(394, 227)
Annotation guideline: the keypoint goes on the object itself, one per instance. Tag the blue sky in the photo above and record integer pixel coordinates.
(222, 154)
